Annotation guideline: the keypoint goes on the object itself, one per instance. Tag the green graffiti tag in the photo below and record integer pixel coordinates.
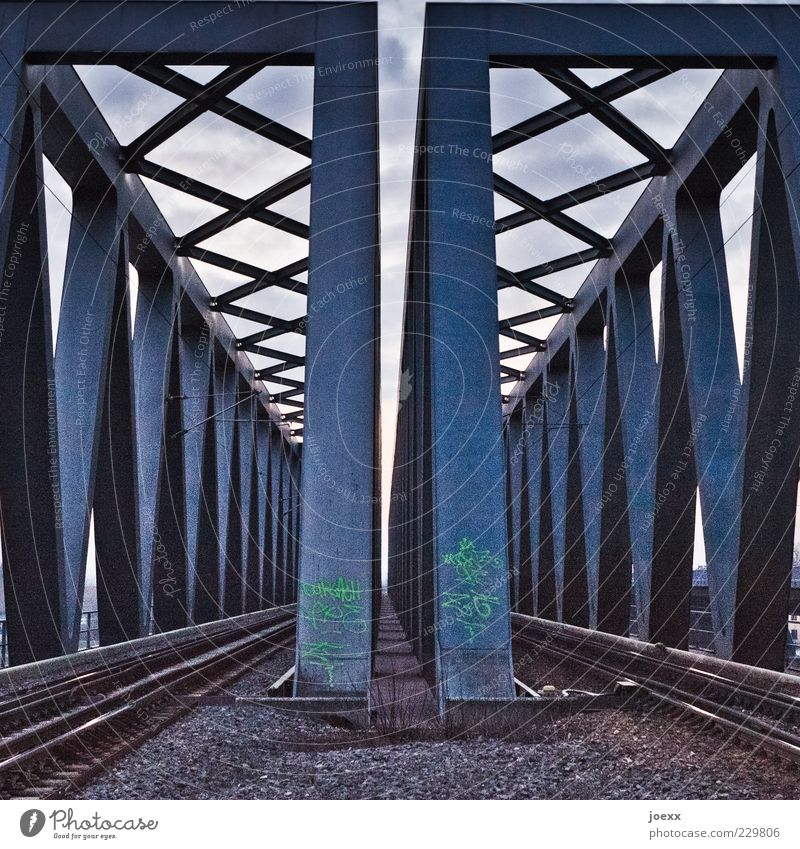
(472, 566)
(322, 654)
(332, 608)
(341, 619)
(335, 605)
(472, 602)
(342, 589)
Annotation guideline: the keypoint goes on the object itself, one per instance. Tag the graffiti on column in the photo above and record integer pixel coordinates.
(332, 608)
(474, 599)
(325, 654)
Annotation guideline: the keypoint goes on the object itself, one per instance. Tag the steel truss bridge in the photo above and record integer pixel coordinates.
(226, 473)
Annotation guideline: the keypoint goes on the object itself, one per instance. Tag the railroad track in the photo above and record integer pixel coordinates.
(766, 717)
(55, 738)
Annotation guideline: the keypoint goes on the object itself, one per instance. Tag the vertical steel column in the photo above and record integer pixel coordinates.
(546, 588)
(207, 566)
(772, 381)
(169, 560)
(420, 506)
(470, 543)
(267, 513)
(286, 519)
(410, 606)
(91, 278)
(615, 563)
(294, 522)
(232, 597)
(278, 506)
(244, 416)
(30, 493)
(636, 381)
(673, 520)
(195, 364)
(590, 386)
(116, 505)
(291, 580)
(514, 456)
(340, 543)
(529, 576)
(558, 424)
(575, 598)
(225, 397)
(424, 541)
(254, 539)
(524, 603)
(714, 389)
(152, 341)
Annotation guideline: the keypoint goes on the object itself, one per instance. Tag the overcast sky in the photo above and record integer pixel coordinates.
(218, 153)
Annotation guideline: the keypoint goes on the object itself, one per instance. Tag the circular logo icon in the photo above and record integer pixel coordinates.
(31, 822)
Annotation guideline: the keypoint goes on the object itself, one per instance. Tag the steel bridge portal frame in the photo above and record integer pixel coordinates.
(499, 509)
(196, 515)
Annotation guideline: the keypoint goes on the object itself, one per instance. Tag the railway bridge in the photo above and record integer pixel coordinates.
(221, 456)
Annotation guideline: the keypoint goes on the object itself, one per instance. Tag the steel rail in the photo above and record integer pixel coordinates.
(705, 696)
(74, 743)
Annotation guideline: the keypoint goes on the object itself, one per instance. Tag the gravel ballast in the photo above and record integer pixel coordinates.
(249, 752)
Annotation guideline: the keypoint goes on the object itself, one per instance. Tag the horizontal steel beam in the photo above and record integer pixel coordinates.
(283, 397)
(244, 116)
(278, 327)
(534, 315)
(287, 360)
(520, 352)
(209, 194)
(563, 263)
(573, 86)
(223, 84)
(519, 336)
(539, 208)
(241, 312)
(558, 115)
(284, 34)
(591, 191)
(257, 203)
(506, 278)
(263, 279)
(513, 373)
(288, 399)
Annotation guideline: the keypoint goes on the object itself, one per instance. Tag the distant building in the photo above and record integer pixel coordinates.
(700, 576)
